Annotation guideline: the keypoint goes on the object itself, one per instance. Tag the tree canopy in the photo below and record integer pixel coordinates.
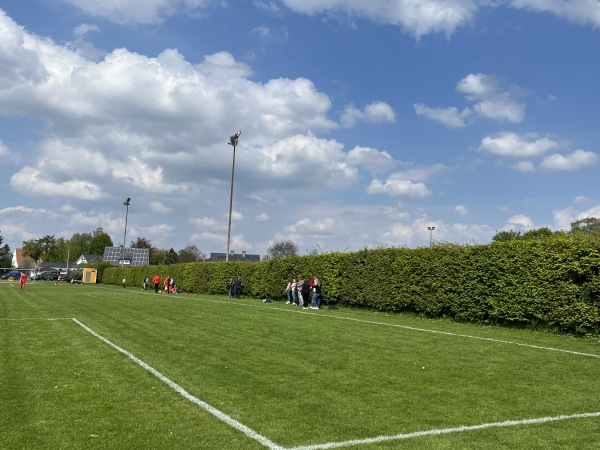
(282, 249)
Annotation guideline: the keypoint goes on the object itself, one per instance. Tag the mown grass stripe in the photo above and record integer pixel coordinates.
(406, 327)
(181, 391)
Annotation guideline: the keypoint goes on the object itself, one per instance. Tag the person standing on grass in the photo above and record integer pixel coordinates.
(156, 282)
(305, 294)
(288, 292)
(239, 287)
(124, 281)
(145, 283)
(230, 288)
(167, 280)
(316, 299)
(23, 279)
(300, 288)
(294, 291)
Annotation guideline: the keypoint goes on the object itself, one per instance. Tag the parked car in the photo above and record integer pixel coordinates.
(12, 274)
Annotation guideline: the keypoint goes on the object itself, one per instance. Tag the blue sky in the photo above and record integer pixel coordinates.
(363, 123)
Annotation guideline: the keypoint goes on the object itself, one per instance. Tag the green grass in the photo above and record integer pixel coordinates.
(296, 377)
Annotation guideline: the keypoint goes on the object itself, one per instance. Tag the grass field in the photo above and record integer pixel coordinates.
(94, 366)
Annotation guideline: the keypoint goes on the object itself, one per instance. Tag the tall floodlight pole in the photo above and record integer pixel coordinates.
(233, 141)
(126, 204)
(430, 234)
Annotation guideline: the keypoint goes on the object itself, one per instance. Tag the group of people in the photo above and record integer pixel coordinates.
(235, 288)
(170, 287)
(299, 291)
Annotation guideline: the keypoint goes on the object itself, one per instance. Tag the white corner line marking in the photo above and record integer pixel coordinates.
(181, 391)
(435, 432)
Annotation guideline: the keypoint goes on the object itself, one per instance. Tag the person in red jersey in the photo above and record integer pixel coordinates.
(23, 280)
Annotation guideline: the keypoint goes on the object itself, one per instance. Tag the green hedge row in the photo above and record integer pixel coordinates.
(552, 283)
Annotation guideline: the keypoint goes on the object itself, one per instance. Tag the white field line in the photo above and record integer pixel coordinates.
(459, 429)
(181, 391)
(406, 327)
(35, 318)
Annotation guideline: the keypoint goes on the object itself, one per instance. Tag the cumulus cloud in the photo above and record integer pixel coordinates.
(371, 159)
(518, 222)
(585, 12)
(377, 112)
(461, 210)
(490, 98)
(135, 11)
(517, 146)
(579, 159)
(451, 116)
(398, 187)
(416, 18)
(493, 100)
(563, 218)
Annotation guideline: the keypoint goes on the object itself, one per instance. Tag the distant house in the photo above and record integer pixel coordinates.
(238, 257)
(18, 259)
(126, 257)
(54, 267)
(87, 258)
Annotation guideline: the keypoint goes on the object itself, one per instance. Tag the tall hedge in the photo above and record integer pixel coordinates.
(552, 282)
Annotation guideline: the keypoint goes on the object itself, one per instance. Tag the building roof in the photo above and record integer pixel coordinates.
(238, 257)
(88, 258)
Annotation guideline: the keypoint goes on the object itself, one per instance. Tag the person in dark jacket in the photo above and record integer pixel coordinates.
(239, 287)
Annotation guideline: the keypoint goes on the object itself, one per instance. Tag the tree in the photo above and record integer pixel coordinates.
(190, 253)
(100, 240)
(282, 249)
(502, 236)
(5, 257)
(158, 258)
(33, 249)
(539, 233)
(589, 226)
(80, 244)
(170, 257)
(153, 254)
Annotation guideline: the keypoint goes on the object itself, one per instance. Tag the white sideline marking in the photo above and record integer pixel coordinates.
(424, 330)
(36, 318)
(459, 429)
(214, 411)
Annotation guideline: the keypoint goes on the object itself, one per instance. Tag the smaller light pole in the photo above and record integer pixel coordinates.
(233, 141)
(430, 234)
(126, 204)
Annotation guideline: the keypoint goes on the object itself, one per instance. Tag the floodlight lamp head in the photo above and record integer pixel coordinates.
(233, 140)
(127, 202)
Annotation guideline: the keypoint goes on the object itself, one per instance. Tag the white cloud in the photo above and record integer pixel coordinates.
(134, 11)
(492, 99)
(398, 187)
(524, 166)
(517, 146)
(372, 160)
(451, 116)
(579, 159)
(578, 11)
(519, 222)
(377, 112)
(563, 218)
(461, 210)
(415, 17)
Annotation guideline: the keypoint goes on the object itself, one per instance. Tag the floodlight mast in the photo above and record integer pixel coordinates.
(233, 141)
(126, 204)
(430, 234)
